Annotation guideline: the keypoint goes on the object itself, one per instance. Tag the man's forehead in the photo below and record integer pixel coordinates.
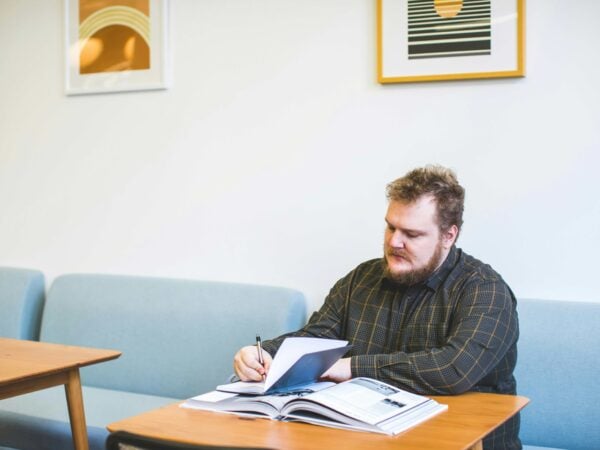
(420, 211)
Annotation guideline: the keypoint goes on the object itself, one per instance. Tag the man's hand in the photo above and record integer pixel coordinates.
(340, 371)
(247, 366)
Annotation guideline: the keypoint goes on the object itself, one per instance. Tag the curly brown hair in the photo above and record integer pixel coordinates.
(439, 182)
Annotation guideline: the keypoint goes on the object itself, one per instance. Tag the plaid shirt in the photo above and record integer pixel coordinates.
(453, 333)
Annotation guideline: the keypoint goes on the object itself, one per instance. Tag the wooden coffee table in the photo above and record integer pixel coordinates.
(469, 418)
(27, 366)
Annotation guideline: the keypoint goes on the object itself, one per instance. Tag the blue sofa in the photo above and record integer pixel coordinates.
(21, 302)
(557, 369)
(178, 338)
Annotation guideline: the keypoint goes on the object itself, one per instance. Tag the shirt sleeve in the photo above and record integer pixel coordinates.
(484, 327)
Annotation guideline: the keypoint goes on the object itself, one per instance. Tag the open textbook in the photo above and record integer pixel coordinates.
(358, 404)
(299, 362)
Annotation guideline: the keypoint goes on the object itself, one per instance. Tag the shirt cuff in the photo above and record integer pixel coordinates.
(270, 347)
(364, 366)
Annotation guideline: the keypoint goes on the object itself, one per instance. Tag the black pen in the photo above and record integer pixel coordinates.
(259, 348)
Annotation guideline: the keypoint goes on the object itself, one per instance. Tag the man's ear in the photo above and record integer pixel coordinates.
(449, 236)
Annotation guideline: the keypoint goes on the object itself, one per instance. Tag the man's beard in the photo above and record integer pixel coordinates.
(417, 275)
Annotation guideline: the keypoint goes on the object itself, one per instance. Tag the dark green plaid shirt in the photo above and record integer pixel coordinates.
(453, 333)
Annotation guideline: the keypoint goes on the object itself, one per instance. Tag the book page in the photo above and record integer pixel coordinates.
(213, 397)
(208, 401)
(243, 387)
(366, 400)
(258, 388)
(292, 349)
(268, 405)
(298, 363)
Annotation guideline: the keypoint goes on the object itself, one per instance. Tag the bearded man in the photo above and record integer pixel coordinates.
(427, 317)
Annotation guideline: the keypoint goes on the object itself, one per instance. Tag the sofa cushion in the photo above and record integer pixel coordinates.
(557, 369)
(21, 302)
(178, 337)
(40, 420)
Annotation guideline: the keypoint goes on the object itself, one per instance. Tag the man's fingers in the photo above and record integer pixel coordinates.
(246, 373)
(247, 365)
(249, 374)
(267, 361)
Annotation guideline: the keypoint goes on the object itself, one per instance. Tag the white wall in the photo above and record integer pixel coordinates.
(266, 161)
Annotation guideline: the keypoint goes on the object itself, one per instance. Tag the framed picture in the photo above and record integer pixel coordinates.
(428, 40)
(115, 45)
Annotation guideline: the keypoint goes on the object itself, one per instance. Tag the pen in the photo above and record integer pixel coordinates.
(259, 348)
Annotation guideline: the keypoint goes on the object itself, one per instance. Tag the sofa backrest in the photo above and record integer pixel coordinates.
(21, 302)
(557, 369)
(178, 337)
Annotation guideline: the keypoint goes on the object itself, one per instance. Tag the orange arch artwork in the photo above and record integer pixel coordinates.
(114, 35)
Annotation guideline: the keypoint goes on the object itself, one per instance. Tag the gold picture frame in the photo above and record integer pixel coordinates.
(115, 45)
(431, 40)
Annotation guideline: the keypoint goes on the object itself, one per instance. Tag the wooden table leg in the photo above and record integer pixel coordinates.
(76, 412)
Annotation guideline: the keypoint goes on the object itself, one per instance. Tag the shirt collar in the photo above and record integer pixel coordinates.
(440, 274)
(436, 278)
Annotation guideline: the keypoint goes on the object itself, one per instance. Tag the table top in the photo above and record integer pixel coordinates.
(469, 418)
(22, 360)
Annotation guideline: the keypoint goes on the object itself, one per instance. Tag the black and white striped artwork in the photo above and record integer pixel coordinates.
(447, 28)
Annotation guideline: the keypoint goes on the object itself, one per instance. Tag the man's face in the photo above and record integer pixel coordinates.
(413, 246)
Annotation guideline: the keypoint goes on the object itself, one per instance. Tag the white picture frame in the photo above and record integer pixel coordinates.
(149, 25)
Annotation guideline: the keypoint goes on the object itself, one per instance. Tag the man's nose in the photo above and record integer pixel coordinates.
(397, 239)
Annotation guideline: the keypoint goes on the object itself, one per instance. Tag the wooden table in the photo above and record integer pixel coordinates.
(27, 366)
(470, 417)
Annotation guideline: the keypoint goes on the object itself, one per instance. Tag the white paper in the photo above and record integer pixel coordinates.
(213, 396)
(292, 349)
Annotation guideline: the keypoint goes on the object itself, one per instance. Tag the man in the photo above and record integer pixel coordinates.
(426, 317)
